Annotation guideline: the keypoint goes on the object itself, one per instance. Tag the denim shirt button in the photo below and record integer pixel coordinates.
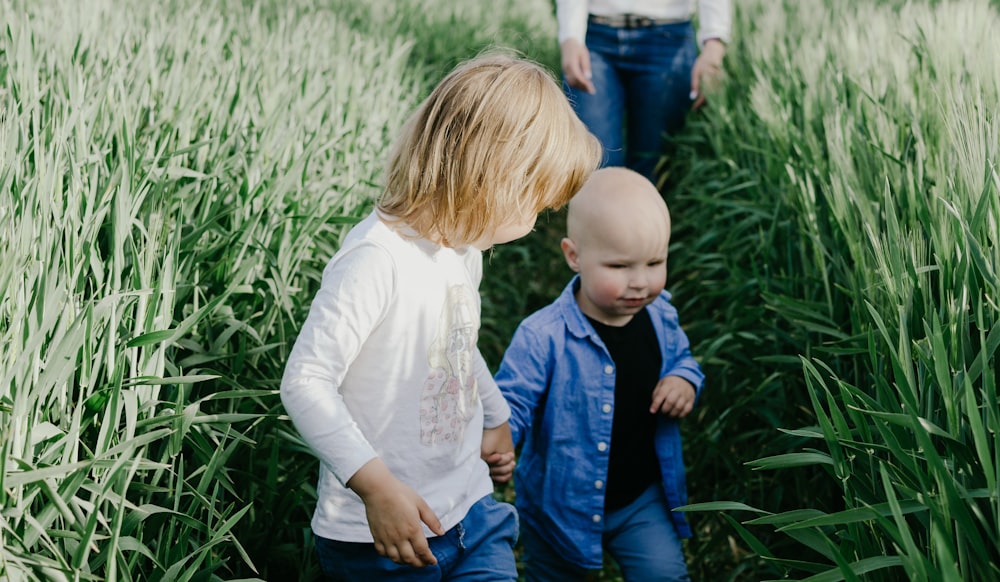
(597, 519)
(598, 484)
(609, 369)
(606, 408)
(602, 447)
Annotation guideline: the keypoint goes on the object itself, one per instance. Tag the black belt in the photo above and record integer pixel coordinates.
(632, 20)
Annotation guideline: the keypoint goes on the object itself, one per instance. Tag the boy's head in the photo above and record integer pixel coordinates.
(618, 230)
(494, 144)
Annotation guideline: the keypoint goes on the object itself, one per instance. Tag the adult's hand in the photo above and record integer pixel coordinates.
(707, 70)
(576, 65)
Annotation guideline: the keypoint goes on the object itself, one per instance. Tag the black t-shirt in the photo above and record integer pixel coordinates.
(632, 465)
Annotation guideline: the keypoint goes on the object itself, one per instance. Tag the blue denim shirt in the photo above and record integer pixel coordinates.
(559, 380)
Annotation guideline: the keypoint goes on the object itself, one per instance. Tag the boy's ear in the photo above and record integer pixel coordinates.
(569, 251)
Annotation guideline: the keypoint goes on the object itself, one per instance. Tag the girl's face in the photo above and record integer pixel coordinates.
(620, 272)
(507, 232)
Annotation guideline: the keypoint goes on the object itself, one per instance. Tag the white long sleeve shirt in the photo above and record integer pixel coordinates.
(714, 16)
(387, 365)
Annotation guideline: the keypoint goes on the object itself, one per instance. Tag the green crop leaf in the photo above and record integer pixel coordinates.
(791, 460)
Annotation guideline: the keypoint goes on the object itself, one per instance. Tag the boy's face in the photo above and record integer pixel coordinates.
(623, 267)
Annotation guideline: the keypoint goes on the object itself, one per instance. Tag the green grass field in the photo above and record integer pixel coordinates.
(174, 176)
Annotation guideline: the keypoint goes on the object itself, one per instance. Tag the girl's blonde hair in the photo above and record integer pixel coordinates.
(494, 143)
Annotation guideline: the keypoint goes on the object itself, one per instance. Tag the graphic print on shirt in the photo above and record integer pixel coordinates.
(450, 393)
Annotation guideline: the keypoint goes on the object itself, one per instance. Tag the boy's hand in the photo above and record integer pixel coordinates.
(673, 396)
(498, 452)
(395, 513)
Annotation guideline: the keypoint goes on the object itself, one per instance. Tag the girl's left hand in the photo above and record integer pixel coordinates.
(498, 452)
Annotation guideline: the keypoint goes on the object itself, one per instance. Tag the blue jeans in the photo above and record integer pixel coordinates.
(642, 78)
(640, 537)
(480, 547)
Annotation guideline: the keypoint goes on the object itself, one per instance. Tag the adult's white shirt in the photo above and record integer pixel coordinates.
(714, 16)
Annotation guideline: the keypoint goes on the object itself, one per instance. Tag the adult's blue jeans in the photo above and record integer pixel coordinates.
(642, 78)
(640, 536)
(480, 547)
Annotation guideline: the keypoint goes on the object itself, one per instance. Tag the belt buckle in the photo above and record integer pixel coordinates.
(636, 21)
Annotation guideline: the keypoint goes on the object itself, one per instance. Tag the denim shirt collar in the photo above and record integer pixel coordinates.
(576, 321)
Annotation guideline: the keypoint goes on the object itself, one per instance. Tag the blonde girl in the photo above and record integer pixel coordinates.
(385, 381)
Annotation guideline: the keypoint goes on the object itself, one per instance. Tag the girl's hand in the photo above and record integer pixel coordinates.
(395, 513)
(501, 467)
(498, 452)
(576, 65)
(673, 396)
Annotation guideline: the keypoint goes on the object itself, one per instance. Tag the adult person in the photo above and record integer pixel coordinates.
(634, 68)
